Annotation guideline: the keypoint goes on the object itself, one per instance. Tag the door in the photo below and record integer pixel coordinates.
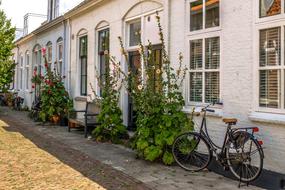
(135, 64)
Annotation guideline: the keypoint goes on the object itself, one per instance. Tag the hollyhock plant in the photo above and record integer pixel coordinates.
(55, 101)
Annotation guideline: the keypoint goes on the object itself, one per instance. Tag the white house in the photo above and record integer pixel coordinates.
(234, 49)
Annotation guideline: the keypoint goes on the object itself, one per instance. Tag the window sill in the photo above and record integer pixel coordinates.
(218, 111)
(81, 98)
(267, 117)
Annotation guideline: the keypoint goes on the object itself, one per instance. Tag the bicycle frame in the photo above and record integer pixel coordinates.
(203, 131)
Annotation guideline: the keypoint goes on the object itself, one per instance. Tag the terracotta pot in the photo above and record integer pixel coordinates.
(55, 119)
(10, 104)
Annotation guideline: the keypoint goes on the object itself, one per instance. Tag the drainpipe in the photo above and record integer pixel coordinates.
(64, 54)
(69, 56)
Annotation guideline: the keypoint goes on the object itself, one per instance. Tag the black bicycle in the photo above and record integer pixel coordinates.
(241, 152)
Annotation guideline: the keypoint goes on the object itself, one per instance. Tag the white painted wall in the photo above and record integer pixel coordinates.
(28, 45)
(238, 59)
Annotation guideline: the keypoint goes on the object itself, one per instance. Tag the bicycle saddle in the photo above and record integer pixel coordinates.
(231, 121)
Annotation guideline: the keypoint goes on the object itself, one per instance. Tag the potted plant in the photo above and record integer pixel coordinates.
(55, 100)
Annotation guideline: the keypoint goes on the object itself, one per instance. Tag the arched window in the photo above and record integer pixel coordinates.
(49, 53)
(27, 70)
(20, 71)
(83, 51)
(37, 65)
(103, 33)
(59, 55)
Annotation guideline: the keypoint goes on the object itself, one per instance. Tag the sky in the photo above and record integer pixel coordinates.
(16, 9)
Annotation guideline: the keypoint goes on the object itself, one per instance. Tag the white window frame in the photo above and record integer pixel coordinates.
(260, 20)
(49, 45)
(97, 57)
(59, 61)
(143, 39)
(21, 72)
(257, 68)
(27, 69)
(204, 29)
(203, 71)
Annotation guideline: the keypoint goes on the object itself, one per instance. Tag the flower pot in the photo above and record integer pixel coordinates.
(55, 119)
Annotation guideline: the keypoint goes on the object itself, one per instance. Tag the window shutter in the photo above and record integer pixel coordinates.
(269, 88)
(196, 82)
(212, 54)
(212, 87)
(270, 48)
(196, 54)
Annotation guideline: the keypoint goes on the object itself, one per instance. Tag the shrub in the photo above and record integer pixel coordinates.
(110, 117)
(55, 100)
(158, 101)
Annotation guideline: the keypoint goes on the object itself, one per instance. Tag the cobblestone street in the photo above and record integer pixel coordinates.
(48, 157)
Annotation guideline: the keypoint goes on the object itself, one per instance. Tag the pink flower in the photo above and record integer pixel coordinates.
(44, 51)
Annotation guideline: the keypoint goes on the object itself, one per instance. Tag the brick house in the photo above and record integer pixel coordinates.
(234, 49)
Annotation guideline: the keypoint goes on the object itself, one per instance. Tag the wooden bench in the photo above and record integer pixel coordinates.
(88, 118)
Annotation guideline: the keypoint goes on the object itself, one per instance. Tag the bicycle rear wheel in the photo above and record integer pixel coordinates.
(191, 151)
(245, 160)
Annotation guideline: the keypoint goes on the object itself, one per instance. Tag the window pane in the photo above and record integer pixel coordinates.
(269, 88)
(196, 87)
(270, 47)
(103, 41)
(212, 54)
(196, 54)
(83, 46)
(212, 13)
(27, 59)
(27, 78)
(270, 7)
(21, 78)
(83, 85)
(49, 54)
(135, 33)
(84, 66)
(212, 87)
(196, 15)
(60, 52)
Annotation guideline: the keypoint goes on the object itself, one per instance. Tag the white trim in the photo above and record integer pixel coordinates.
(204, 29)
(267, 23)
(267, 118)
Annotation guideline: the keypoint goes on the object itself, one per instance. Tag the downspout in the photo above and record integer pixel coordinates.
(69, 57)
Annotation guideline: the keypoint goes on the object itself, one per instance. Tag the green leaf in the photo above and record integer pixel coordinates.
(152, 152)
(167, 158)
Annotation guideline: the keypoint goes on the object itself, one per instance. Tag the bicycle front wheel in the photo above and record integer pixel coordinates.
(245, 159)
(191, 151)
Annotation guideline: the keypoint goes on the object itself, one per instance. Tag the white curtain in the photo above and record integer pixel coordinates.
(265, 5)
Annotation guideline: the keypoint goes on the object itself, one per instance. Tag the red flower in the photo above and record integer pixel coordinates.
(33, 86)
(44, 51)
(46, 65)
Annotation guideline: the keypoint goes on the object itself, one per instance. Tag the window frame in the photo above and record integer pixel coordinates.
(59, 61)
(257, 68)
(21, 73)
(85, 35)
(203, 70)
(98, 31)
(186, 88)
(261, 20)
(27, 69)
(49, 56)
(204, 29)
